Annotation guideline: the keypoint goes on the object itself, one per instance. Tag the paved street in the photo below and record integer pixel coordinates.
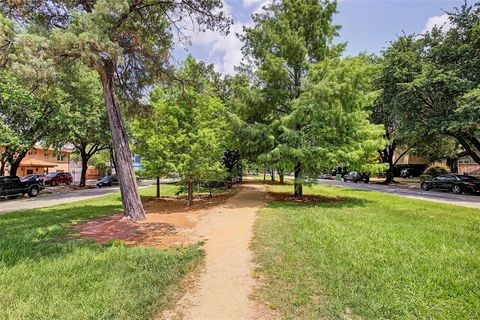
(467, 200)
(46, 200)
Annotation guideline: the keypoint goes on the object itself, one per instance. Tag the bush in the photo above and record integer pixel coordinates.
(436, 169)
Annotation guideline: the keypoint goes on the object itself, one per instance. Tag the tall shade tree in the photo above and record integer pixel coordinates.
(85, 124)
(290, 40)
(287, 37)
(187, 128)
(440, 94)
(127, 42)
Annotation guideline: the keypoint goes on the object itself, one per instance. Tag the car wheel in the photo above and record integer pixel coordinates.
(424, 186)
(68, 183)
(53, 183)
(344, 180)
(355, 180)
(33, 192)
(457, 189)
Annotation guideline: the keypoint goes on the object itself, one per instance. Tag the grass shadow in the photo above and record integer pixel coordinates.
(39, 234)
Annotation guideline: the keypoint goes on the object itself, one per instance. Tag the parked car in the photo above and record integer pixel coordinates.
(12, 187)
(56, 178)
(39, 177)
(326, 176)
(454, 182)
(107, 181)
(356, 176)
(409, 173)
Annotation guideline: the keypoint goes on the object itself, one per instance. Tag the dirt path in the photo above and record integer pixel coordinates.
(224, 286)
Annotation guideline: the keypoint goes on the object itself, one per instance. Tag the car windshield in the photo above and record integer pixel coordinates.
(52, 174)
(468, 178)
(29, 177)
(105, 179)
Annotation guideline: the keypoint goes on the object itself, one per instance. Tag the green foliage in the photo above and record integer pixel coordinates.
(186, 129)
(26, 118)
(436, 170)
(308, 108)
(433, 81)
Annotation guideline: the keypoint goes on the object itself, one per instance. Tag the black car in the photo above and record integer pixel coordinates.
(454, 182)
(12, 187)
(356, 176)
(33, 177)
(108, 181)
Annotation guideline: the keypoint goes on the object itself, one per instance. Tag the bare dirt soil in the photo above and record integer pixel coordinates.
(169, 222)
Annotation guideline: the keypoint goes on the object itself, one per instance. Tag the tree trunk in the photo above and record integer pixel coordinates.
(132, 205)
(388, 156)
(2, 168)
(14, 165)
(190, 192)
(264, 175)
(298, 183)
(158, 187)
(83, 174)
(272, 174)
(282, 178)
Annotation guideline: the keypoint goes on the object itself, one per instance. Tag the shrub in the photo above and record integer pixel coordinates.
(436, 169)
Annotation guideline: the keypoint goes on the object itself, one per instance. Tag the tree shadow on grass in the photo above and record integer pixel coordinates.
(37, 234)
(318, 202)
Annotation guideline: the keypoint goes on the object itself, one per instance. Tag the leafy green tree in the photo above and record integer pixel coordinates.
(26, 119)
(299, 120)
(186, 130)
(440, 94)
(85, 124)
(127, 42)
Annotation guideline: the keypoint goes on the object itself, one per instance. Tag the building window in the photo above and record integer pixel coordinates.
(466, 160)
(45, 154)
(31, 153)
(60, 157)
(29, 171)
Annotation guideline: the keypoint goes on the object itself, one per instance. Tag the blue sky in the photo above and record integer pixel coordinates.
(367, 25)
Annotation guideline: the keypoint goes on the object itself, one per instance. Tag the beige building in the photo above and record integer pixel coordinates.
(40, 160)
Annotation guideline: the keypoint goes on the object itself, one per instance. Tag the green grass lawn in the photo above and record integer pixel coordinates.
(372, 256)
(44, 274)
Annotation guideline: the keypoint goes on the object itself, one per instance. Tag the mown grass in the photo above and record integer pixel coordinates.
(44, 274)
(372, 256)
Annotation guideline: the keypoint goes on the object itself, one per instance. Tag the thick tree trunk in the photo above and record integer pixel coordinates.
(15, 164)
(83, 174)
(190, 192)
(282, 178)
(158, 187)
(132, 205)
(298, 183)
(264, 175)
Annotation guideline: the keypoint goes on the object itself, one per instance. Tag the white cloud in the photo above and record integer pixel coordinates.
(248, 3)
(224, 51)
(439, 21)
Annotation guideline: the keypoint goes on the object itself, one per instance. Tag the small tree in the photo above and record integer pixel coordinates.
(186, 130)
